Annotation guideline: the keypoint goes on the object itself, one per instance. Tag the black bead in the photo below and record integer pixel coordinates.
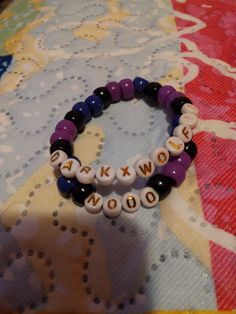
(81, 192)
(178, 103)
(150, 93)
(191, 149)
(77, 118)
(104, 95)
(63, 145)
(161, 184)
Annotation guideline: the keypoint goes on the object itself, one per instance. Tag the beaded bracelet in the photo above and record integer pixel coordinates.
(175, 158)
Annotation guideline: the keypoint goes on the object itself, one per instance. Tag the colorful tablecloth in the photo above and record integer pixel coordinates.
(178, 256)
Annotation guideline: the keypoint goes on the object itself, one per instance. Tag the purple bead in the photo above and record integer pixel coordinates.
(172, 95)
(163, 93)
(127, 89)
(114, 90)
(174, 171)
(68, 126)
(183, 160)
(62, 135)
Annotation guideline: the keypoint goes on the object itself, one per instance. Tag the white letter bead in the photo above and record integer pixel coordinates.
(130, 202)
(57, 158)
(189, 108)
(112, 207)
(149, 197)
(126, 175)
(174, 145)
(144, 167)
(68, 167)
(105, 175)
(93, 203)
(160, 156)
(189, 119)
(184, 132)
(85, 174)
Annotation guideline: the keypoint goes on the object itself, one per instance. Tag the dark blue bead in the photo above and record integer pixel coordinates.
(84, 108)
(139, 85)
(175, 121)
(95, 104)
(66, 185)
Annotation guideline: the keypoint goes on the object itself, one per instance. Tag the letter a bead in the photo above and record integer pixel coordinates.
(184, 132)
(174, 145)
(149, 197)
(144, 167)
(57, 158)
(68, 167)
(126, 175)
(93, 203)
(85, 174)
(130, 202)
(112, 207)
(105, 175)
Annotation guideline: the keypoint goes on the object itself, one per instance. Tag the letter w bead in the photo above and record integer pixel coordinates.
(144, 167)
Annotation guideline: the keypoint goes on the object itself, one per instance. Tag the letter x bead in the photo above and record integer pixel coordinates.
(174, 145)
(112, 207)
(149, 197)
(93, 203)
(105, 175)
(144, 167)
(68, 167)
(189, 108)
(159, 156)
(57, 158)
(85, 174)
(126, 175)
(184, 132)
(189, 119)
(130, 202)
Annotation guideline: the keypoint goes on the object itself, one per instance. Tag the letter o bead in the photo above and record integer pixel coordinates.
(130, 202)
(126, 175)
(174, 145)
(68, 167)
(85, 174)
(149, 197)
(144, 167)
(184, 132)
(105, 175)
(112, 207)
(93, 203)
(57, 158)
(160, 156)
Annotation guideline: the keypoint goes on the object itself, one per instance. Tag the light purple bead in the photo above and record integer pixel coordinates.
(68, 126)
(114, 90)
(172, 95)
(127, 89)
(60, 134)
(183, 160)
(163, 93)
(175, 171)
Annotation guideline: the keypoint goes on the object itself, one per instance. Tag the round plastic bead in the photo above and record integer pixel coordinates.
(66, 185)
(85, 174)
(189, 119)
(151, 93)
(57, 158)
(83, 108)
(81, 192)
(93, 203)
(126, 175)
(189, 107)
(183, 160)
(184, 132)
(77, 118)
(112, 207)
(161, 184)
(130, 202)
(105, 175)
(67, 126)
(163, 93)
(191, 149)
(172, 96)
(175, 120)
(127, 89)
(175, 171)
(159, 156)
(144, 167)
(95, 104)
(178, 103)
(114, 90)
(139, 85)
(149, 197)
(61, 135)
(68, 167)
(63, 145)
(104, 95)
(174, 145)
